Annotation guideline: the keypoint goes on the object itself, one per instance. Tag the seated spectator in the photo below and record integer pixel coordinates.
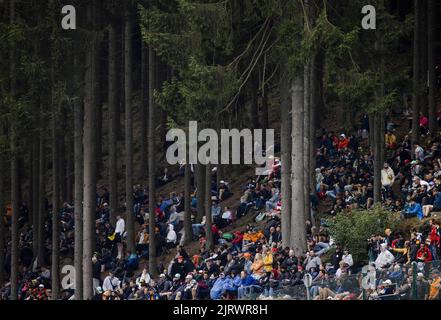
(413, 210)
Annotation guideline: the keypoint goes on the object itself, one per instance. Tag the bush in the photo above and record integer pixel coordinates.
(353, 229)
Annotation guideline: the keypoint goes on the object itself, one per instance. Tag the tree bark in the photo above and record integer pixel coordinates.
(200, 193)
(208, 217)
(113, 123)
(89, 143)
(254, 107)
(41, 197)
(377, 157)
(298, 234)
(431, 65)
(187, 202)
(129, 131)
(55, 199)
(314, 92)
(35, 193)
(306, 139)
(144, 109)
(78, 187)
(151, 164)
(2, 214)
(285, 145)
(416, 73)
(14, 174)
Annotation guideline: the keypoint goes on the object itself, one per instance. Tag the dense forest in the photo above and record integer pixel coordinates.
(86, 111)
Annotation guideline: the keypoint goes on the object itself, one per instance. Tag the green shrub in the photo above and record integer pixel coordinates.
(353, 229)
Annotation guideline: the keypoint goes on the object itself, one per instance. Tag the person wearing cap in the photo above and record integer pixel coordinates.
(343, 142)
(386, 288)
(223, 190)
(219, 287)
(422, 286)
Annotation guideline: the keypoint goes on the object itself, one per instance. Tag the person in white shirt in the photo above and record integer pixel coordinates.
(111, 283)
(347, 258)
(144, 277)
(119, 233)
(384, 258)
(227, 217)
(387, 176)
(171, 236)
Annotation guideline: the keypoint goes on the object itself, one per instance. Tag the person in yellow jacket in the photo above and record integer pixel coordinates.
(435, 285)
(390, 140)
(257, 267)
(267, 257)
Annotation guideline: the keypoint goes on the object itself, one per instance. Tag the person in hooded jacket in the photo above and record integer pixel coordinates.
(219, 287)
(171, 237)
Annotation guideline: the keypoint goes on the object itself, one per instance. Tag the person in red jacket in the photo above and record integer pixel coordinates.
(237, 241)
(423, 254)
(343, 142)
(434, 239)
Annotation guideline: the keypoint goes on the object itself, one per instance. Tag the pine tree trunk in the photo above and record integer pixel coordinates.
(113, 123)
(2, 214)
(208, 217)
(151, 164)
(377, 158)
(144, 108)
(55, 200)
(264, 113)
(254, 107)
(200, 194)
(423, 45)
(306, 139)
(431, 65)
(78, 187)
(14, 175)
(312, 128)
(89, 143)
(187, 202)
(69, 168)
(298, 234)
(129, 132)
(416, 73)
(41, 198)
(35, 193)
(285, 145)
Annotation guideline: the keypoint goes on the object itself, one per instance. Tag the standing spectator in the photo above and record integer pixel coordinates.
(119, 234)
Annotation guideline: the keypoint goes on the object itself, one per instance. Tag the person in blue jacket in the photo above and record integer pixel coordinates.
(247, 282)
(413, 210)
(219, 287)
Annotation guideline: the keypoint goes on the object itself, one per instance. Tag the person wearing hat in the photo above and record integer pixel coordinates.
(343, 142)
(422, 286)
(223, 190)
